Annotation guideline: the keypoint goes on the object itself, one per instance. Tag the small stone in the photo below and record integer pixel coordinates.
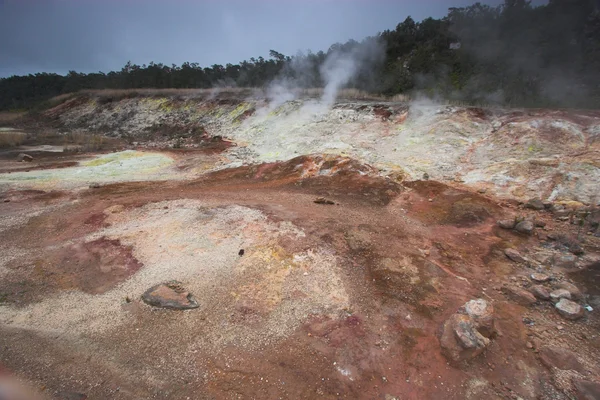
(514, 255)
(507, 223)
(540, 224)
(569, 309)
(535, 204)
(94, 185)
(24, 157)
(6, 200)
(558, 294)
(572, 289)
(538, 277)
(529, 345)
(323, 200)
(524, 227)
(241, 252)
(170, 295)
(540, 292)
(519, 296)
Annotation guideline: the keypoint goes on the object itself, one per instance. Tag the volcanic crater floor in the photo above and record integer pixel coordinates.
(332, 301)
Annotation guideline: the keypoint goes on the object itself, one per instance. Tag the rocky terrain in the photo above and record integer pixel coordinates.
(233, 247)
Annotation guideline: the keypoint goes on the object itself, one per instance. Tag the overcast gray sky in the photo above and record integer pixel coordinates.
(102, 35)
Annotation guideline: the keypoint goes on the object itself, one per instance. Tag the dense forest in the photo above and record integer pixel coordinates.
(514, 54)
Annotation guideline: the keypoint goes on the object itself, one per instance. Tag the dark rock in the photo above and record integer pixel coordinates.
(507, 223)
(169, 295)
(24, 157)
(323, 200)
(524, 227)
(540, 292)
(241, 252)
(519, 295)
(587, 390)
(576, 249)
(460, 339)
(564, 261)
(535, 204)
(569, 309)
(514, 255)
(557, 357)
(540, 224)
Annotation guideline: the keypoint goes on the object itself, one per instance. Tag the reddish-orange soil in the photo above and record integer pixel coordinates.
(410, 255)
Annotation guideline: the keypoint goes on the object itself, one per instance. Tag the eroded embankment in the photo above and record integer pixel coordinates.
(511, 153)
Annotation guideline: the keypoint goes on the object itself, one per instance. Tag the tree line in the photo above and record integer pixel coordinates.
(513, 54)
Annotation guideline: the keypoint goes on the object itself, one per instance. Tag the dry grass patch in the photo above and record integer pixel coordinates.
(10, 116)
(12, 138)
(83, 142)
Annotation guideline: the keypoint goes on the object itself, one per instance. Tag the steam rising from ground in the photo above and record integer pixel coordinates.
(343, 65)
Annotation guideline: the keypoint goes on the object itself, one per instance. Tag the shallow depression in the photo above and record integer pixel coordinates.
(123, 166)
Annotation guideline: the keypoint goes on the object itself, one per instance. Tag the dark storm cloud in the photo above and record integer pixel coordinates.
(87, 36)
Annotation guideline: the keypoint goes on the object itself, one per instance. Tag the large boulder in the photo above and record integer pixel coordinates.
(519, 295)
(514, 255)
(540, 292)
(170, 295)
(569, 309)
(573, 290)
(24, 157)
(587, 390)
(535, 204)
(525, 227)
(507, 223)
(482, 313)
(559, 294)
(460, 339)
(557, 357)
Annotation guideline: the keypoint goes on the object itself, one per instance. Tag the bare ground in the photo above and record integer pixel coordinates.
(340, 298)
(328, 301)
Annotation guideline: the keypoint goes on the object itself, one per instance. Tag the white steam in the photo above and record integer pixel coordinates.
(341, 68)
